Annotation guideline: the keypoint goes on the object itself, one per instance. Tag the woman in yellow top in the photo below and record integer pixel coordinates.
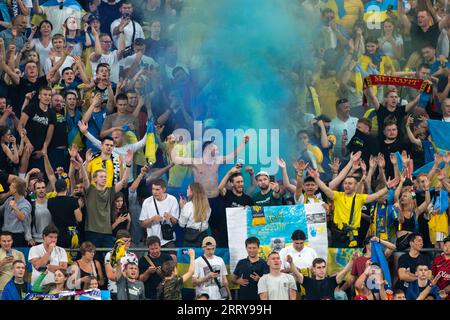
(375, 61)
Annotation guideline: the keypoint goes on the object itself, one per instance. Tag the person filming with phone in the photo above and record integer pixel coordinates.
(269, 193)
(120, 214)
(7, 256)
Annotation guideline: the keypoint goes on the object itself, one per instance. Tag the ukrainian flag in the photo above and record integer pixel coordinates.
(151, 144)
(439, 135)
(376, 12)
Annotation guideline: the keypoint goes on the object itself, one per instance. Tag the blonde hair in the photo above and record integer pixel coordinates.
(199, 201)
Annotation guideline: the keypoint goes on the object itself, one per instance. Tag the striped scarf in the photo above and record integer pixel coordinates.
(116, 164)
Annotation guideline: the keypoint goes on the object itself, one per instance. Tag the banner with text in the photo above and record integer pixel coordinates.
(273, 226)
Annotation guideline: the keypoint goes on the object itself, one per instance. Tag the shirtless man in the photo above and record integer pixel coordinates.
(205, 171)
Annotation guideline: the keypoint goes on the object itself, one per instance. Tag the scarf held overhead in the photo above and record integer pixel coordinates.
(375, 80)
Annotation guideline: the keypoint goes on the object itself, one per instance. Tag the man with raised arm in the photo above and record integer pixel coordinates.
(348, 205)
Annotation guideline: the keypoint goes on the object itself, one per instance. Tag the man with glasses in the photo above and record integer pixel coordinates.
(103, 53)
(302, 256)
(343, 126)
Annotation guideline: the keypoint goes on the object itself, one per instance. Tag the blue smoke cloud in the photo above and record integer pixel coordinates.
(245, 50)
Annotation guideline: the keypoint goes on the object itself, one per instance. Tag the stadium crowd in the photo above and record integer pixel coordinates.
(91, 93)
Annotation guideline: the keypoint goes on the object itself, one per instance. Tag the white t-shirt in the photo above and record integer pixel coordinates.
(302, 259)
(187, 218)
(113, 61)
(277, 287)
(311, 200)
(201, 270)
(67, 63)
(41, 50)
(148, 211)
(128, 61)
(58, 255)
(128, 32)
(337, 128)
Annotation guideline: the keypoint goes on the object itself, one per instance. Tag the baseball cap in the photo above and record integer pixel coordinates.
(208, 241)
(262, 173)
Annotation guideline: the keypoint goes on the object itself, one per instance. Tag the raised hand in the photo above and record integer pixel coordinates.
(409, 120)
(73, 151)
(405, 158)
(393, 158)
(129, 157)
(363, 166)
(301, 165)
(281, 163)
(249, 170)
(380, 160)
(356, 165)
(392, 183)
(313, 173)
(355, 156)
(83, 126)
(372, 162)
(89, 155)
(335, 165)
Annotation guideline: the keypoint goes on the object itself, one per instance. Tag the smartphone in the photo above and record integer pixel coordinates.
(240, 163)
(9, 253)
(272, 178)
(124, 214)
(344, 132)
(126, 15)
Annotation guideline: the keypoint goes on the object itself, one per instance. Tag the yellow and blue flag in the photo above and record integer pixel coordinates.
(151, 145)
(375, 11)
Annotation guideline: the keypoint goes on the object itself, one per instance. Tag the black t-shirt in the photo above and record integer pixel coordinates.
(17, 93)
(59, 138)
(422, 220)
(367, 144)
(319, 289)
(231, 200)
(38, 123)
(62, 210)
(245, 268)
(420, 38)
(386, 149)
(406, 261)
(382, 113)
(21, 289)
(154, 279)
